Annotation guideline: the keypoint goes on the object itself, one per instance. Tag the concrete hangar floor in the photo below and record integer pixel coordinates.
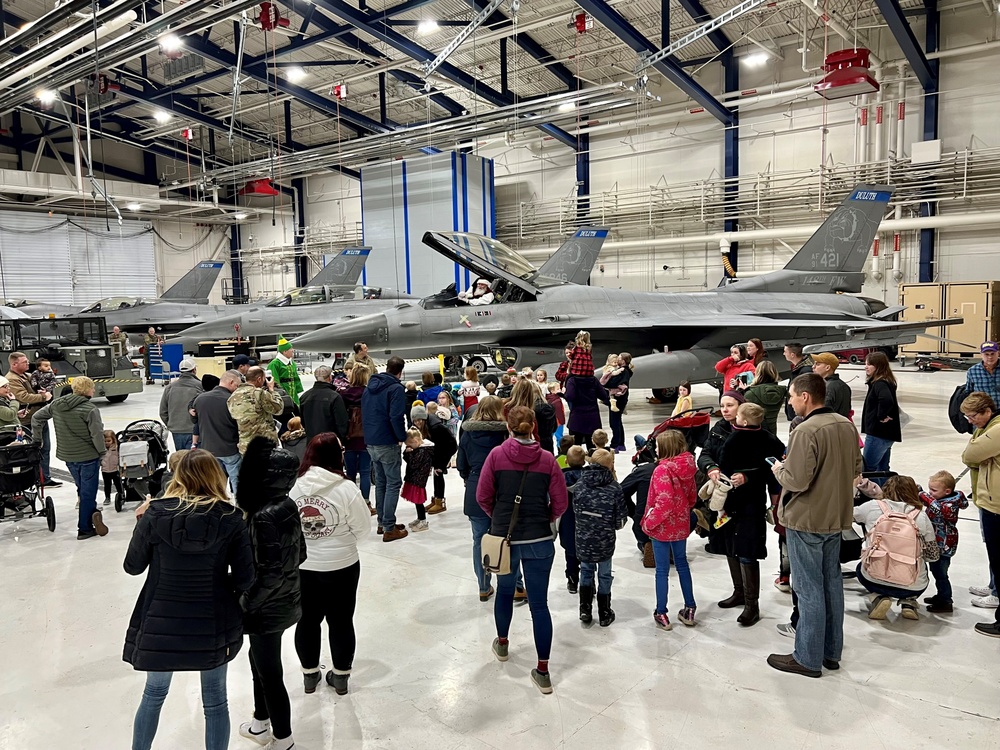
(65, 607)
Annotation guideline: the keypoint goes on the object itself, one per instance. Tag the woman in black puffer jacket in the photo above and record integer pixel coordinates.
(274, 603)
(187, 618)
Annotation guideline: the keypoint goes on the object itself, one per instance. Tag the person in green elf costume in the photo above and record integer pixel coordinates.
(284, 371)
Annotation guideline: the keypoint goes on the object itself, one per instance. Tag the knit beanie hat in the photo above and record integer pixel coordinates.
(737, 395)
(283, 345)
(419, 411)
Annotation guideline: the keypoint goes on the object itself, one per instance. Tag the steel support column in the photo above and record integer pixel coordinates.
(625, 31)
(301, 261)
(731, 69)
(928, 237)
(235, 264)
(900, 28)
(583, 178)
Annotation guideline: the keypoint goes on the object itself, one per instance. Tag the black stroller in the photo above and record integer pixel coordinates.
(142, 459)
(21, 491)
(695, 424)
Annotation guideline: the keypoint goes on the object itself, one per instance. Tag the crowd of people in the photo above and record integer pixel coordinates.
(270, 491)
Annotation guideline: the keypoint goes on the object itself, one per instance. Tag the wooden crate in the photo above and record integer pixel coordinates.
(922, 302)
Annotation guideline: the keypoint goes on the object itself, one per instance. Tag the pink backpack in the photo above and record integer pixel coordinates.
(895, 551)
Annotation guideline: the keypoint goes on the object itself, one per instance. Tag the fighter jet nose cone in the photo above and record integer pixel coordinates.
(341, 337)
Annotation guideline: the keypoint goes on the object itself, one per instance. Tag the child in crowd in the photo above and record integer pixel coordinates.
(410, 395)
(294, 439)
(599, 509)
(576, 459)
(419, 457)
(667, 521)
(565, 443)
(470, 390)
(582, 356)
(943, 502)
(611, 369)
(600, 439)
(109, 467)
(491, 388)
(683, 398)
(506, 386)
(447, 412)
(560, 407)
(43, 378)
(172, 462)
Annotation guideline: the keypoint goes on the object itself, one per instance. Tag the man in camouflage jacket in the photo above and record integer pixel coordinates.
(254, 408)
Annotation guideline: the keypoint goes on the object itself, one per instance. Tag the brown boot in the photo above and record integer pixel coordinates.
(648, 560)
(751, 589)
(437, 506)
(397, 533)
(736, 600)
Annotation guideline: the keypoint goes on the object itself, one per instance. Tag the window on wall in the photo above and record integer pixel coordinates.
(73, 261)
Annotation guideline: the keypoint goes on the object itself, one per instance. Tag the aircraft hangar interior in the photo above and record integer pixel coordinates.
(700, 302)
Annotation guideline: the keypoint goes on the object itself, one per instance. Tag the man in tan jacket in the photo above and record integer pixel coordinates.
(817, 478)
(29, 402)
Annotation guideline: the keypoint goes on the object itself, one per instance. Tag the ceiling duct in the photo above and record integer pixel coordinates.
(847, 75)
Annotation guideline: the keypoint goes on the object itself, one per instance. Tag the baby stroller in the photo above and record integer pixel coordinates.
(142, 459)
(21, 491)
(695, 424)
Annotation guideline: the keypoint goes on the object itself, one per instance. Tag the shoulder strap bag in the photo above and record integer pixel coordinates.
(496, 549)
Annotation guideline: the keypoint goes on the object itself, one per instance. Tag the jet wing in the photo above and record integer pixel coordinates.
(484, 257)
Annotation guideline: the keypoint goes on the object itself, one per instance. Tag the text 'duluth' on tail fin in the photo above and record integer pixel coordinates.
(574, 261)
(196, 284)
(343, 269)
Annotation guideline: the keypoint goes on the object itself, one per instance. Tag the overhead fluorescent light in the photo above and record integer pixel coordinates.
(427, 27)
(170, 43)
(567, 106)
(239, 216)
(295, 73)
(47, 96)
(162, 116)
(133, 207)
(756, 59)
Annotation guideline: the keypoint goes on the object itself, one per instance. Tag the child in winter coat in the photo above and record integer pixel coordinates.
(667, 521)
(43, 378)
(943, 502)
(419, 458)
(599, 507)
(294, 439)
(560, 407)
(109, 467)
(410, 397)
(582, 356)
(565, 444)
(576, 459)
(470, 390)
(448, 413)
(612, 368)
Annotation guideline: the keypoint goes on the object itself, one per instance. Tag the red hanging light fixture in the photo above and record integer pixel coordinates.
(259, 187)
(847, 75)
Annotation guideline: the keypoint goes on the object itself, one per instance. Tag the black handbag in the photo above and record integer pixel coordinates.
(496, 549)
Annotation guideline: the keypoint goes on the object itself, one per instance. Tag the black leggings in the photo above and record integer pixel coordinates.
(439, 485)
(109, 477)
(270, 699)
(586, 439)
(331, 596)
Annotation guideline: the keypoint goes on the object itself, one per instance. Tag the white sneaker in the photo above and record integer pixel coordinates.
(284, 744)
(261, 738)
(980, 590)
(986, 602)
(418, 525)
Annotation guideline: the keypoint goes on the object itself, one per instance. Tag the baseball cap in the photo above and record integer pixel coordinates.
(3, 381)
(187, 364)
(826, 358)
(241, 359)
(990, 346)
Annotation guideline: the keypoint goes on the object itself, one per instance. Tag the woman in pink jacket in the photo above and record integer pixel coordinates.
(732, 366)
(667, 521)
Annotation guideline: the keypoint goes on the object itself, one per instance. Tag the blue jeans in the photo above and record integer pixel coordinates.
(939, 569)
(388, 462)
(603, 571)
(231, 465)
(480, 528)
(182, 440)
(360, 463)
(982, 529)
(536, 561)
(876, 456)
(213, 698)
(662, 552)
(86, 476)
(816, 579)
(991, 534)
(46, 450)
(884, 589)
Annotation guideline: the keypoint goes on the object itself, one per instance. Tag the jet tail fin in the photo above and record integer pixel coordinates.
(833, 258)
(574, 261)
(344, 269)
(196, 284)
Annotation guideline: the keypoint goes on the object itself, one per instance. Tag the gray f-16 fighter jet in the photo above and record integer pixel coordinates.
(672, 337)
